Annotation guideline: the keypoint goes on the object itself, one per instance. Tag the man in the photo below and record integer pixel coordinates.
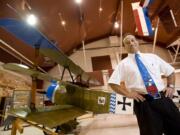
(141, 75)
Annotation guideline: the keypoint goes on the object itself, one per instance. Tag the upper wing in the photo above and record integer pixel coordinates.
(36, 39)
(51, 116)
(27, 71)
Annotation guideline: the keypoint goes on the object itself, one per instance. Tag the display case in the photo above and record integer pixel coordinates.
(21, 98)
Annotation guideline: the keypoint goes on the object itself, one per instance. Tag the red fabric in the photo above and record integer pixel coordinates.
(138, 22)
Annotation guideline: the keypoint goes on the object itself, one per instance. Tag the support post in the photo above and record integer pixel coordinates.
(155, 36)
(121, 30)
(69, 74)
(84, 52)
(177, 50)
(63, 73)
(17, 126)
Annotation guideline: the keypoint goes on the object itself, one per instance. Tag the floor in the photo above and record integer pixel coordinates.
(105, 124)
(108, 124)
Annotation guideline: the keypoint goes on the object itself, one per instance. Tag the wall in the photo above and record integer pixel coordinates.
(114, 52)
(178, 80)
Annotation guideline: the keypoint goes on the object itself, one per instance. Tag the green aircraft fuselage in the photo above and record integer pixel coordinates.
(91, 100)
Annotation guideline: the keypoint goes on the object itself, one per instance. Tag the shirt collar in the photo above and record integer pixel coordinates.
(132, 55)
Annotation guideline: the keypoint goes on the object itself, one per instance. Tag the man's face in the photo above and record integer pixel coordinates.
(131, 44)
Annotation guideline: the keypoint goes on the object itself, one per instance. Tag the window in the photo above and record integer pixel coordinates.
(101, 63)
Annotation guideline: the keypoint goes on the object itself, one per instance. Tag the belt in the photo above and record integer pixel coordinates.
(150, 98)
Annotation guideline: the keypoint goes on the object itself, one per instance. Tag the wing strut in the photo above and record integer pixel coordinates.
(69, 73)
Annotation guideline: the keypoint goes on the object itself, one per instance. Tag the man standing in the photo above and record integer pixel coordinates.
(141, 74)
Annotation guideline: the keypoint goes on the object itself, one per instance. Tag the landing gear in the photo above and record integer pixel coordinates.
(66, 127)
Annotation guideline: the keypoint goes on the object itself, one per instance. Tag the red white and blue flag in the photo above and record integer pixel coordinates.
(145, 3)
(142, 20)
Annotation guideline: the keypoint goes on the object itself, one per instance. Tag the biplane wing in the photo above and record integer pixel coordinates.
(52, 116)
(27, 71)
(34, 38)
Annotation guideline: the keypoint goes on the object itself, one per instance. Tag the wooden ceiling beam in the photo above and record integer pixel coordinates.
(160, 7)
(14, 53)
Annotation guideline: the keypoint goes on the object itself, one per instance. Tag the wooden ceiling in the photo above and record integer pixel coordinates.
(83, 22)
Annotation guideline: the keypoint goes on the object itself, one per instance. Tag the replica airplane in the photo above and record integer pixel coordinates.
(70, 101)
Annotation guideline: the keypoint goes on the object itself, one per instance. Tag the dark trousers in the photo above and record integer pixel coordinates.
(158, 116)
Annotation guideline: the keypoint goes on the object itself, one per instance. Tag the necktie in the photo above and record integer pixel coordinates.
(148, 80)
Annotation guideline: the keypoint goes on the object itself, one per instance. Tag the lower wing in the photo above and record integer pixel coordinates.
(49, 116)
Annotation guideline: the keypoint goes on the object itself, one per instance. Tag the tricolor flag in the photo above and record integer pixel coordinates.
(145, 3)
(142, 20)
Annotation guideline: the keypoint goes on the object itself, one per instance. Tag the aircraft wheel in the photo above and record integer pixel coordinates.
(67, 127)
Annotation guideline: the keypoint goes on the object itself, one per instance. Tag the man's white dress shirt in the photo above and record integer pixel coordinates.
(127, 71)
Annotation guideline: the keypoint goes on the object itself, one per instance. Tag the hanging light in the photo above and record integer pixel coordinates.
(78, 1)
(63, 23)
(31, 19)
(116, 25)
(100, 9)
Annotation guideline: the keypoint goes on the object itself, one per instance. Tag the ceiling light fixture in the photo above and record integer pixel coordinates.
(78, 1)
(116, 25)
(63, 23)
(31, 20)
(100, 9)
